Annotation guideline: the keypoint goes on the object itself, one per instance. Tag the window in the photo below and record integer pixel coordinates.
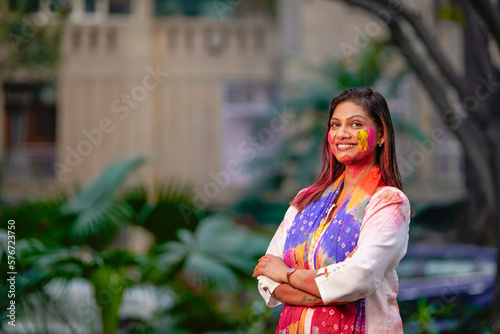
(193, 8)
(119, 6)
(30, 131)
(90, 6)
(31, 112)
(245, 103)
(17, 125)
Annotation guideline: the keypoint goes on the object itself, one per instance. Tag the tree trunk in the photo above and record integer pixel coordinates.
(466, 232)
(478, 131)
(2, 135)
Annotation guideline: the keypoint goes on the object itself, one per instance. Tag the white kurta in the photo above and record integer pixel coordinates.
(370, 272)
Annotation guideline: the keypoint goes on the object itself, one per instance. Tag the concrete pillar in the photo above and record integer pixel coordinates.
(290, 23)
(143, 9)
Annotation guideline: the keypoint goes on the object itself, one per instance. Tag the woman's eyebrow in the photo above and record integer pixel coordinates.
(349, 117)
(357, 116)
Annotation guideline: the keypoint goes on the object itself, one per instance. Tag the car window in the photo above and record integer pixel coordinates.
(420, 267)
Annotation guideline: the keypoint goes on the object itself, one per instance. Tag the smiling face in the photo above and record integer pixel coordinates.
(353, 135)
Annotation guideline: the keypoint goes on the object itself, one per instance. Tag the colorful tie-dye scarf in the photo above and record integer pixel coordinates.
(337, 242)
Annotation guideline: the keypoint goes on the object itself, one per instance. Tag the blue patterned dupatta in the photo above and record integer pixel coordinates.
(332, 242)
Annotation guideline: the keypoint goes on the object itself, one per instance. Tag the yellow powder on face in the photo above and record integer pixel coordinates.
(362, 140)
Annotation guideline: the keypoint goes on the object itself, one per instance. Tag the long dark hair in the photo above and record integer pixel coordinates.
(376, 107)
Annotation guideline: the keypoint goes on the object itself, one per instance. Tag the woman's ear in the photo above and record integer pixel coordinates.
(381, 139)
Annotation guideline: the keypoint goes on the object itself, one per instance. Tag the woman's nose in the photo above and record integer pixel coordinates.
(344, 133)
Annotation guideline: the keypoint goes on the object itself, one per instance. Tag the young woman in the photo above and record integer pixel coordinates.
(333, 259)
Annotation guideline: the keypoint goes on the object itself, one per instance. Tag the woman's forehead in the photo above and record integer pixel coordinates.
(348, 109)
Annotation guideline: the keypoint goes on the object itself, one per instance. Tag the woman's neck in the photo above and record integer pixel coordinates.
(354, 174)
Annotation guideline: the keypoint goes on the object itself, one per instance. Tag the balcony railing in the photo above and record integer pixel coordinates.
(26, 163)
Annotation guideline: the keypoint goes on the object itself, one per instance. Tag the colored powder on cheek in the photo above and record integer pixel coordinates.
(330, 143)
(371, 136)
(362, 140)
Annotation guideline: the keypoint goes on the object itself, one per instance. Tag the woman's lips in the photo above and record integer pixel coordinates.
(345, 147)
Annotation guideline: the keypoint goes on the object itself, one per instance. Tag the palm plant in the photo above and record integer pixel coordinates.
(92, 219)
(169, 209)
(209, 265)
(78, 250)
(97, 211)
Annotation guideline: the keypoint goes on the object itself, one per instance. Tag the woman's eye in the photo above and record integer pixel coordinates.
(357, 124)
(334, 125)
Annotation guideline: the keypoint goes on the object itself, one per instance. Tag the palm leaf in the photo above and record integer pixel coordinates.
(212, 254)
(171, 211)
(98, 211)
(104, 218)
(203, 269)
(101, 188)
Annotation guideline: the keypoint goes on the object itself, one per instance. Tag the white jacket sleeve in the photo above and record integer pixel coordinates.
(276, 247)
(382, 243)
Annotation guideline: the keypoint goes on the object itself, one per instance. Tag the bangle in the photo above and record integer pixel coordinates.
(289, 273)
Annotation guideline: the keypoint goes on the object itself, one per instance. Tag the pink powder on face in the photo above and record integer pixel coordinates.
(330, 139)
(371, 136)
(330, 143)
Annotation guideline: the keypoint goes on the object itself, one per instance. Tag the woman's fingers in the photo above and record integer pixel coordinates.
(267, 256)
(257, 270)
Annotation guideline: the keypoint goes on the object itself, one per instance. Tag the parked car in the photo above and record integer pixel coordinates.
(454, 281)
(448, 272)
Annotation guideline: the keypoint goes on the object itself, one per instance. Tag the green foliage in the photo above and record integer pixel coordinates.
(39, 219)
(422, 321)
(450, 10)
(444, 315)
(109, 285)
(213, 255)
(204, 260)
(29, 42)
(196, 314)
(172, 209)
(97, 210)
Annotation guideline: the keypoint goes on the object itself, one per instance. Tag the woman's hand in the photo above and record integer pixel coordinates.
(273, 267)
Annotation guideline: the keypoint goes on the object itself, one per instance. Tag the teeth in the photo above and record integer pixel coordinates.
(345, 145)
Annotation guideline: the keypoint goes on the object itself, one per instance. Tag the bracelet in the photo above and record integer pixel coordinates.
(289, 273)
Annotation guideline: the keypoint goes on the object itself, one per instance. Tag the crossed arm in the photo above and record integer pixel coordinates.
(382, 243)
(302, 290)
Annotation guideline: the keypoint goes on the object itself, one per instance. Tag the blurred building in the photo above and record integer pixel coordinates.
(182, 81)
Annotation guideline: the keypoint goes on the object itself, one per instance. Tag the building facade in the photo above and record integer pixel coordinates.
(185, 89)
